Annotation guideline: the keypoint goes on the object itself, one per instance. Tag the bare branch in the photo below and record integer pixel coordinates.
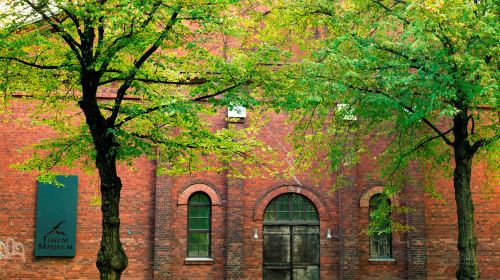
(72, 43)
(446, 41)
(483, 143)
(156, 108)
(100, 33)
(73, 18)
(185, 146)
(31, 64)
(120, 42)
(418, 146)
(409, 109)
(423, 143)
(137, 65)
(205, 97)
(159, 141)
(391, 11)
(473, 128)
(387, 49)
(157, 81)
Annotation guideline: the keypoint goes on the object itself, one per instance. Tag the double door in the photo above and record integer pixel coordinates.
(291, 252)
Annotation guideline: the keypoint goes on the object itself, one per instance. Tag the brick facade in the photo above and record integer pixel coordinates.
(18, 207)
(154, 218)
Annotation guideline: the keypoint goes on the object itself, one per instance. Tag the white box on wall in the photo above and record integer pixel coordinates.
(237, 112)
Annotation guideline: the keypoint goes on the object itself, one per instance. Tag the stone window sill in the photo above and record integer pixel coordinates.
(382, 260)
(198, 261)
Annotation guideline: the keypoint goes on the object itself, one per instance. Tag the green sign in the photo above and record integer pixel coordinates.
(56, 218)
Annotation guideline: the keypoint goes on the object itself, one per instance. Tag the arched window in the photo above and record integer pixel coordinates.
(199, 214)
(291, 238)
(380, 239)
(291, 207)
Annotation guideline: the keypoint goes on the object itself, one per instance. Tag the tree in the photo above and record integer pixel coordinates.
(421, 73)
(163, 60)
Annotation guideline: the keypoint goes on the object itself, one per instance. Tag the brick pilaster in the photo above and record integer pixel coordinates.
(234, 235)
(416, 242)
(349, 243)
(163, 221)
(234, 216)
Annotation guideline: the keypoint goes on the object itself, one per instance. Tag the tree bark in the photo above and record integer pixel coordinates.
(111, 259)
(467, 241)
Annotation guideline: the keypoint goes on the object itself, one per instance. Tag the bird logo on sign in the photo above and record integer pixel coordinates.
(56, 229)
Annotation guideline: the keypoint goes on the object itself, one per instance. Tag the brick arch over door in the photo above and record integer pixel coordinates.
(365, 198)
(258, 213)
(187, 192)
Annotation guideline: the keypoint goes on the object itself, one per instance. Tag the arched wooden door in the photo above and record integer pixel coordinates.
(291, 239)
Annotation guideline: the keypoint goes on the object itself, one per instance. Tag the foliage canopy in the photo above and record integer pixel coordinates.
(145, 75)
(421, 74)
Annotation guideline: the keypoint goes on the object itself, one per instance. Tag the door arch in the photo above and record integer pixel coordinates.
(291, 239)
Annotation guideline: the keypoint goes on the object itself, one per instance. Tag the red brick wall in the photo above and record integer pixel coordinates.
(441, 222)
(156, 245)
(171, 226)
(234, 222)
(274, 134)
(18, 205)
(181, 269)
(244, 200)
(366, 181)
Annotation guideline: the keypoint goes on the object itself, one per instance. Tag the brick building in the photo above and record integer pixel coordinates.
(214, 226)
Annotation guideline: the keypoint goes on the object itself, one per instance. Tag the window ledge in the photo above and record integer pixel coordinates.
(382, 260)
(191, 260)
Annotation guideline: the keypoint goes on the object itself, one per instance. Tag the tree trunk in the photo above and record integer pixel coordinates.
(111, 259)
(467, 242)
